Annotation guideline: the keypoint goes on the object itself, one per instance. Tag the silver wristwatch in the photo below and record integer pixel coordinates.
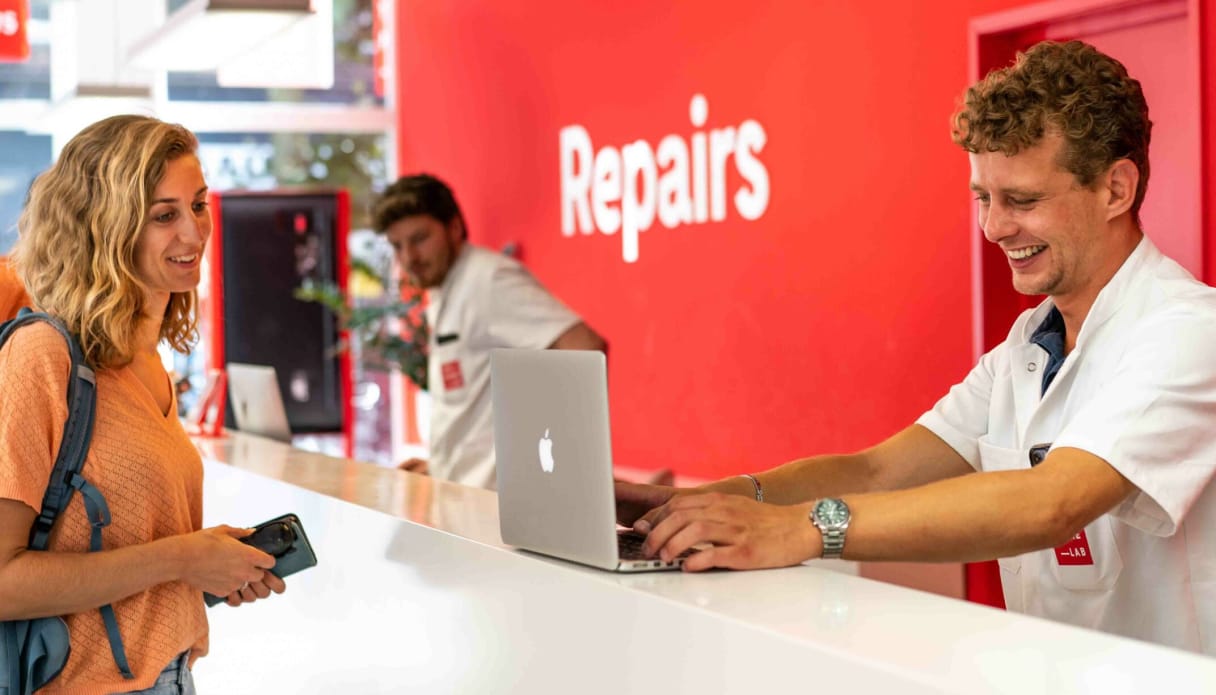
(831, 516)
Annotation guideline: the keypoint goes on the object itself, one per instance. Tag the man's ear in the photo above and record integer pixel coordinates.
(1122, 179)
(456, 229)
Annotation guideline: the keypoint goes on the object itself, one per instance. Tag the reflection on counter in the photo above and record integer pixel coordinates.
(469, 512)
(414, 592)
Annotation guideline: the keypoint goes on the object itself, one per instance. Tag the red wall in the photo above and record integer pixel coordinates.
(831, 321)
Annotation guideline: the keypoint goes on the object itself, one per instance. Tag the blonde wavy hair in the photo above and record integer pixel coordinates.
(1073, 89)
(77, 234)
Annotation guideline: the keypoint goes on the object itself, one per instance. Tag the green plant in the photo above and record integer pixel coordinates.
(370, 322)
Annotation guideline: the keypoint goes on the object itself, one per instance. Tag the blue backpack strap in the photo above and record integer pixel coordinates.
(77, 430)
(99, 518)
(65, 476)
(8, 633)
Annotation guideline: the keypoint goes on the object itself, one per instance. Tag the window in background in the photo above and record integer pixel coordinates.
(260, 161)
(25, 156)
(371, 285)
(356, 162)
(31, 79)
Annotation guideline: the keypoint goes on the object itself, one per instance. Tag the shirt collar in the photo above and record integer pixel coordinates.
(1122, 285)
(1110, 297)
(449, 280)
(435, 295)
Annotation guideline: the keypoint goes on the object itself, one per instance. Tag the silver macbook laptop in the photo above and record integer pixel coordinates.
(554, 455)
(257, 404)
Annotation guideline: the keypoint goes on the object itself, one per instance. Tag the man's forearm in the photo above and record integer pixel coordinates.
(803, 480)
(985, 515)
(914, 456)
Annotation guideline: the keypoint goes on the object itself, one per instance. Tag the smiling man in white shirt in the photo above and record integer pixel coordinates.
(1079, 451)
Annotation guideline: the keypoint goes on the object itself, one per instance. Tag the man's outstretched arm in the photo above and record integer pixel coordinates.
(971, 517)
(913, 456)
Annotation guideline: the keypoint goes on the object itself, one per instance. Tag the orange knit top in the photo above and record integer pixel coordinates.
(152, 479)
(12, 291)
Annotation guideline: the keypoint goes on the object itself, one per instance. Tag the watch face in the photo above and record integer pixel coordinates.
(832, 512)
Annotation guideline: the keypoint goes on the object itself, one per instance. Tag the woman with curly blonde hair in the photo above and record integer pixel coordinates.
(110, 243)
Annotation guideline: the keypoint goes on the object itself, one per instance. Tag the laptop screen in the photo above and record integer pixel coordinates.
(553, 450)
(257, 403)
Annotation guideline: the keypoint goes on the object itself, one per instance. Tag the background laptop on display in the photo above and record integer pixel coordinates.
(257, 404)
(553, 450)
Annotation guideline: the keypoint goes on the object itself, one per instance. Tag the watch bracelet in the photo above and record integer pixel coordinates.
(833, 544)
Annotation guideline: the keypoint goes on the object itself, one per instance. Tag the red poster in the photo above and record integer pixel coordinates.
(14, 43)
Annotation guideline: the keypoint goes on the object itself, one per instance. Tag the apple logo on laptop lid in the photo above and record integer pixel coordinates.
(546, 453)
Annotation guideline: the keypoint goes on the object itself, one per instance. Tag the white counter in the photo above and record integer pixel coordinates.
(414, 592)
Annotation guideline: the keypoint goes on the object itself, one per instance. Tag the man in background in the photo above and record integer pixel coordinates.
(477, 299)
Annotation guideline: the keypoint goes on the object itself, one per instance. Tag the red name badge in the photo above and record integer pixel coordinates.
(452, 377)
(1075, 551)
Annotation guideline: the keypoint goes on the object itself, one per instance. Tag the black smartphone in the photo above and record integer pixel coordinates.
(284, 538)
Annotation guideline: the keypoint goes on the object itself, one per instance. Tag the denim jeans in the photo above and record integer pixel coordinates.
(174, 680)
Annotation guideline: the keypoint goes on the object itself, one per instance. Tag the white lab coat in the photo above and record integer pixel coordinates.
(486, 301)
(1138, 391)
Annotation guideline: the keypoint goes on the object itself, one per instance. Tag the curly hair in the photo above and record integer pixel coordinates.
(77, 234)
(1070, 88)
(419, 194)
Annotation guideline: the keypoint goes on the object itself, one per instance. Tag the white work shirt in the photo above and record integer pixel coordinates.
(486, 301)
(1138, 391)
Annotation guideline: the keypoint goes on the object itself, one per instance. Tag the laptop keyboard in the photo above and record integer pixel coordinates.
(629, 546)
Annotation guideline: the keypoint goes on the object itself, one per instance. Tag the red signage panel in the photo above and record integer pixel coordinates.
(14, 43)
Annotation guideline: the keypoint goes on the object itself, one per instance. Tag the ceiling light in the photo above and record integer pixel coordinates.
(204, 34)
(300, 56)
